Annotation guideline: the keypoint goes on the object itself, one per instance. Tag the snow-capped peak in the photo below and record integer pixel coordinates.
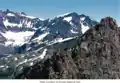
(62, 15)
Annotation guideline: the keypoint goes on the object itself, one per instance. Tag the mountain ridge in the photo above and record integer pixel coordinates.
(95, 56)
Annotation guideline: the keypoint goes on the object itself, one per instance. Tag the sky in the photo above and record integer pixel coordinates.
(96, 9)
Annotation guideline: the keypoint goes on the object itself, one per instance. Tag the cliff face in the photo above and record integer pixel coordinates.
(95, 56)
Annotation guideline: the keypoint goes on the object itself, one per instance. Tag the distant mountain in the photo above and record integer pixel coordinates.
(58, 29)
(18, 30)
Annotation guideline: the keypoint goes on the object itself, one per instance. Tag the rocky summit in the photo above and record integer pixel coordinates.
(96, 55)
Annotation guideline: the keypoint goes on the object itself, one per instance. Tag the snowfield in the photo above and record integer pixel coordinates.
(17, 38)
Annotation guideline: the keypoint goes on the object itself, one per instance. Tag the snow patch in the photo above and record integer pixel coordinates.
(43, 54)
(15, 58)
(59, 40)
(71, 24)
(2, 66)
(66, 39)
(17, 38)
(10, 14)
(40, 37)
(53, 23)
(32, 17)
(7, 23)
(24, 61)
(29, 24)
(82, 18)
(31, 64)
(74, 32)
(84, 28)
(68, 19)
(41, 19)
(44, 28)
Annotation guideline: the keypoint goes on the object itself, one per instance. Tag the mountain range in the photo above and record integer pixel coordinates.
(28, 43)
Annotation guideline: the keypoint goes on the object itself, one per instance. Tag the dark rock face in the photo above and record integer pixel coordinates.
(95, 56)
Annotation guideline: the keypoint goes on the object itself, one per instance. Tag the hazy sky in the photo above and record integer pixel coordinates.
(51, 8)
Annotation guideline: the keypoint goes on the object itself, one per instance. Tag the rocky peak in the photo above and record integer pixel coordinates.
(73, 14)
(109, 22)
